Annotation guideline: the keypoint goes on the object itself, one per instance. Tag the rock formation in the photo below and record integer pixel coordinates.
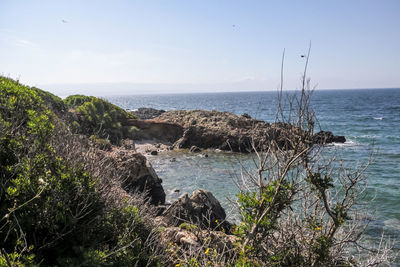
(154, 130)
(136, 174)
(222, 130)
(326, 137)
(225, 131)
(201, 209)
(147, 113)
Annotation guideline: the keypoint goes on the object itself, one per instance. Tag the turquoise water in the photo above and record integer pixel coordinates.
(370, 120)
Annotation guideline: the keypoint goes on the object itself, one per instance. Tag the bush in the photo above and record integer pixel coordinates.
(99, 117)
(52, 211)
(74, 101)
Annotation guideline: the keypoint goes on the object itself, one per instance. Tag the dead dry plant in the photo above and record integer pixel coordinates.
(303, 206)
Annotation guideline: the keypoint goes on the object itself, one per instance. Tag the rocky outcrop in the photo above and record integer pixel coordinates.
(147, 113)
(193, 237)
(201, 209)
(226, 131)
(149, 129)
(326, 137)
(136, 174)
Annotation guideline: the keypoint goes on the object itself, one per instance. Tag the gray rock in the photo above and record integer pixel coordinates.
(147, 113)
(137, 175)
(201, 209)
(326, 137)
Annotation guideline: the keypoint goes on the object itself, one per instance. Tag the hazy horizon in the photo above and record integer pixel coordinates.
(109, 89)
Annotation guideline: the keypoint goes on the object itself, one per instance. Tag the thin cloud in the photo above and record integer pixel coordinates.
(25, 43)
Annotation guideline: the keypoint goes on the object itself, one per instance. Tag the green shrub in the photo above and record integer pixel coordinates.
(54, 103)
(99, 117)
(52, 212)
(74, 101)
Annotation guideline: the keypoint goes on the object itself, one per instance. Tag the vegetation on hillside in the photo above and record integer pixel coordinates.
(51, 209)
(100, 118)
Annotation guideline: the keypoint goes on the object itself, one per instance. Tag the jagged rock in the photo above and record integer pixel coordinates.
(326, 137)
(137, 174)
(198, 239)
(154, 152)
(245, 115)
(179, 236)
(223, 130)
(149, 129)
(201, 209)
(194, 149)
(147, 113)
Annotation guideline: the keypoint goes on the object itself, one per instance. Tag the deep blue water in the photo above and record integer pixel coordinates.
(370, 120)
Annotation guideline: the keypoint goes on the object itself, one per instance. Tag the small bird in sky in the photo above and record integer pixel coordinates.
(303, 55)
(64, 21)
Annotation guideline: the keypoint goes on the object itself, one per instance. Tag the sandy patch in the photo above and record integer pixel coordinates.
(151, 147)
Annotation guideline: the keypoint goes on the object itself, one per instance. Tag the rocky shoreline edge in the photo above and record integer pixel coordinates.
(195, 131)
(200, 129)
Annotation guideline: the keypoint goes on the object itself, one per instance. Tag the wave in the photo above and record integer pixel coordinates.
(378, 118)
(373, 136)
(348, 143)
(392, 223)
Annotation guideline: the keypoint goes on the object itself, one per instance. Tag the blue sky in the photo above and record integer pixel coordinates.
(130, 47)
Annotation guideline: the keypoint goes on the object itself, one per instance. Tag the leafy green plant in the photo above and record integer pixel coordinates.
(52, 212)
(101, 118)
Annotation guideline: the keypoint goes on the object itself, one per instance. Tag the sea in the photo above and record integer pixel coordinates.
(368, 118)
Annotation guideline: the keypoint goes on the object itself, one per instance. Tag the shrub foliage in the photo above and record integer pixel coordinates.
(99, 117)
(51, 211)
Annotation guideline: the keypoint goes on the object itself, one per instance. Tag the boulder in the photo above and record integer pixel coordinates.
(195, 239)
(179, 236)
(136, 174)
(201, 209)
(326, 137)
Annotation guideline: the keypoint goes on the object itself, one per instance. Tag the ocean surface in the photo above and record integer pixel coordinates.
(368, 118)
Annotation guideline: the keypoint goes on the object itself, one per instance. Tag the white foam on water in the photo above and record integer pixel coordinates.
(347, 143)
(392, 223)
(378, 118)
(368, 136)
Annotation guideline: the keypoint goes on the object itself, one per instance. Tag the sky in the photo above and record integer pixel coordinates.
(142, 47)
